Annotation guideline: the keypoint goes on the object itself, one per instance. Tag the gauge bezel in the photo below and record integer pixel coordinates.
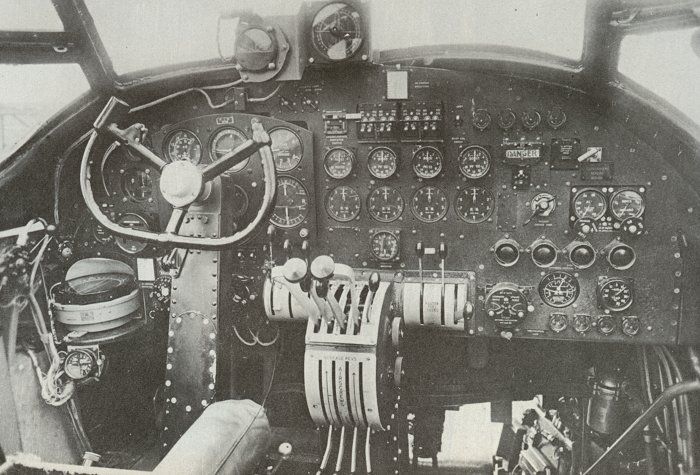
(212, 154)
(169, 138)
(129, 194)
(441, 216)
(604, 302)
(587, 190)
(393, 235)
(464, 217)
(352, 162)
(611, 206)
(369, 205)
(489, 160)
(361, 31)
(337, 218)
(306, 212)
(120, 241)
(301, 148)
(396, 162)
(441, 160)
(554, 275)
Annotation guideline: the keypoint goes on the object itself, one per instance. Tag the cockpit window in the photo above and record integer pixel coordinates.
(30, 95)
(665, 63)
(29, 15)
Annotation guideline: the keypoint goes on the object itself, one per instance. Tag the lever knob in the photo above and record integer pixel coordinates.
(442, 250)
(295, 270)
(305, 248)
(271, 230)
(420, 250)
(373, 282)
(322, 267)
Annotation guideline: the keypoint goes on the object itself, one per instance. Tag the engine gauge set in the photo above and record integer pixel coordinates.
(607, 208)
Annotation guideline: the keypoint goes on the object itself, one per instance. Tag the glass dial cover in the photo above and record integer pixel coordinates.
(474, 205)
(287, 150)
(184, 145)
(133, 221)
(385, 204)
(559, 289)
(429, 204)
(427, 162)
(336, 31)
(382, 162)
(590, 204)
(292, 205)
(627, 204)
(616, 294)
(343, 203)
(339, 162)
(223, 142)
(384, 245)
(474, 162)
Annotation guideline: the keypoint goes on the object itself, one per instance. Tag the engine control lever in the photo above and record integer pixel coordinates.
(442, 253)
(373, 285)
(322, 270)
(290, 274)
(306, 253)
(287, 248)
(420, 252)
(345, 273)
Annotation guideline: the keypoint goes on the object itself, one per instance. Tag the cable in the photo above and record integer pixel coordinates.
(265, 98)
(201, 90)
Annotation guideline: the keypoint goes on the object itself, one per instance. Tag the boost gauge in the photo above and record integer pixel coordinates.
(615, 294)
(343, 204)
(427, 162)
(382, 162)
(474, 205)
(627, 204)
(286, 149)
(559, 289)
(429, 204)
(384, 246)
(184, 145)
(292, 205)
(590, 204)
(385, 204)
(474, 162)
(339, 162)
(336, 31)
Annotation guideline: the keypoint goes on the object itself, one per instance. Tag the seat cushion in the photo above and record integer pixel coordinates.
(229, 437)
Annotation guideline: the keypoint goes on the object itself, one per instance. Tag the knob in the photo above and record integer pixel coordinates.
(305, 248)
(420, 250)
(285, 449)
(544, 253)
(506, 252)
(322, 267)
(633, 227)
(622, 257)
(287, 247)
(442, 251)
(295, 270)
(582, 255)
(271, 230)
(373, 282)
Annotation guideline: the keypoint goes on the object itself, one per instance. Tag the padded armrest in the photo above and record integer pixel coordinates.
(217, 442)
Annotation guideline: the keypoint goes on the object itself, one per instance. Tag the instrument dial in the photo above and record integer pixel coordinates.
(79, 364)
(292, 205)
(429, 204)
(223, 142)
(339, 162)
(590, 204)
(506, 119)
(343, 204)
(336, 31)
(474, 205)
(427, 162)
(184, 145)
(286, 149)
(101, 235)
(137, 184)
(384, 246)
(474, 162)
(382, 162)
(616, 294)
(385, 204)
(507, 305)
(133, 221)
(559, 289)
(627, 204)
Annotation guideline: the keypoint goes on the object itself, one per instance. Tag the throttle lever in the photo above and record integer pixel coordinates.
(346, 273)
(289, 275)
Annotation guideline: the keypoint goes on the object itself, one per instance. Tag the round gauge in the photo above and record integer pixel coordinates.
(343, 204)
(590, 204)
(292, 205)
(427, 162)
(506, 119)
(101, 235)
(556, 118)
(384, 245)
(429, 204)
(616, 294)
(133, 221)
(382, 162)
(223, 142)
(559, 289)
(531, 119)
(286, 149)
(474, 162)
(506, 305)
(137, 184)
(184, 145)
(339, 162)
(474, 205)
(79, 364)
(627, 204)
(240, 202)
(481, 119)
(336, 31)
(385, 204)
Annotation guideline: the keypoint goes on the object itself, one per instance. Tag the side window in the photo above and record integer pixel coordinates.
(665, 63)
(30, 95)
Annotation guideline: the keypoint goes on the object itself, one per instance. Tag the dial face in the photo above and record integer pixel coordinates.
(627, 204)
(384, 246)
(385, 204)
(343, 204)
(286, 149)
(338, 162)
(590, 204)
(616, 295)
(427, 162)
(559, 289)
(78, 364)
(184, 145)
(137, 184)
(507, 305)
(223, 142)
(292, 205)
(336, 31)
(474, 205)
(474, 162)
(133, 221)
(101, 235)
(382, 162)
(429, 204)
